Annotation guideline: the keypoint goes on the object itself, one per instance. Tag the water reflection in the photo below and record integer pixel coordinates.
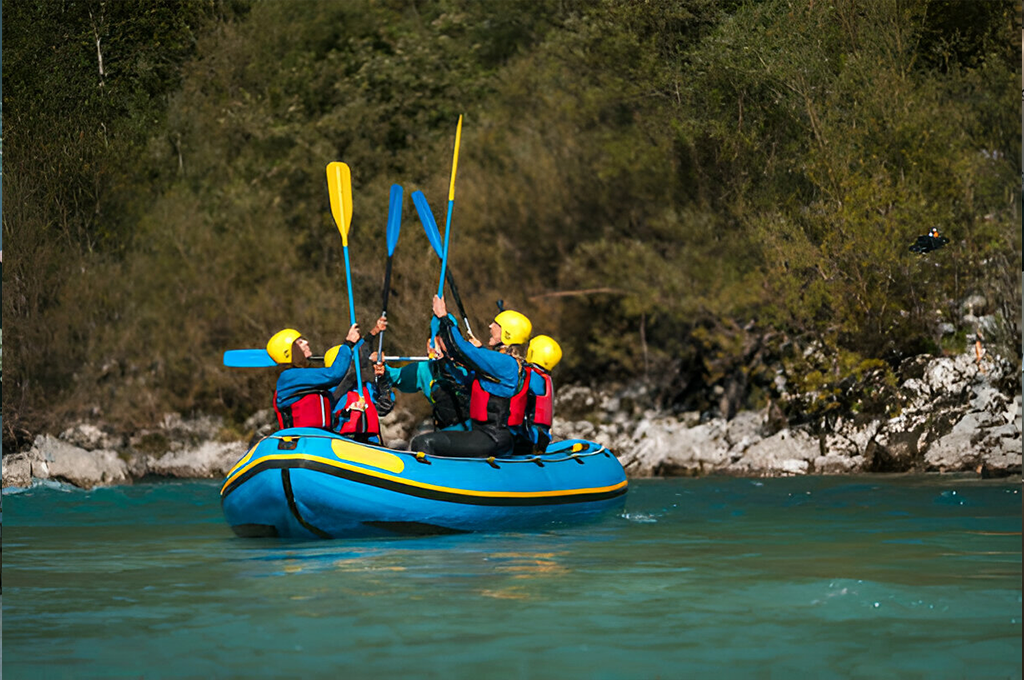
(493, 566)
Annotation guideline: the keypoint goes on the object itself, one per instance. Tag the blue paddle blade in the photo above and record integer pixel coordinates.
(427, 218)
(248, 358)
(394, 217)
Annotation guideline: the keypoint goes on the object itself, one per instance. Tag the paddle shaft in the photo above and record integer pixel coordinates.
(444, 253)
(384, 306)
(458, 302)
(451, 205)
(352, 318)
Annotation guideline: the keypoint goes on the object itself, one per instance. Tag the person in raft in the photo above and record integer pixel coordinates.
(541, 357)
(355, 418)
(445, 384)
(498, 389)
(303, 395)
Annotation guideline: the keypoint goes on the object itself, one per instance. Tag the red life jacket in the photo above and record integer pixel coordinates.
(313, 409)
(543, 404)
(351, 420)
(485, 408)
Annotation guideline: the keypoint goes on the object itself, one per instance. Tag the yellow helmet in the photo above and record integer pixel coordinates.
(331, 355)
(515, 328)
(280, 346)
(544, 352)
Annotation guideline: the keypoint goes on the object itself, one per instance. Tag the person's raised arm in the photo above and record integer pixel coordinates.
(488, 364)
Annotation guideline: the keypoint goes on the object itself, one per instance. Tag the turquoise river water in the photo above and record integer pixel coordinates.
(841, 577)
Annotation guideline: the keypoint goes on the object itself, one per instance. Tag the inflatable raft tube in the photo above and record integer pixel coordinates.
(308, 483)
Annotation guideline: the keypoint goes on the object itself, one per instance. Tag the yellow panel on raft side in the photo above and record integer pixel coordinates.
(354, 453)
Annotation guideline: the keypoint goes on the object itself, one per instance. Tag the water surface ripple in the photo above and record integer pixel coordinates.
(848, 577)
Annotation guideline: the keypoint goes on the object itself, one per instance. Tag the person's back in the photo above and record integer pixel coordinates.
(541, 357)
(357, 415)
(498, 388)
(302, 396)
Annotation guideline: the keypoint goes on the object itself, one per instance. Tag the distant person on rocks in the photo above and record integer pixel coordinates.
(542, 356)
(303, 396)
(498, 389)
(357, 416)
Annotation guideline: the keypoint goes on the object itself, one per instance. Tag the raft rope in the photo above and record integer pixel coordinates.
(577, 453)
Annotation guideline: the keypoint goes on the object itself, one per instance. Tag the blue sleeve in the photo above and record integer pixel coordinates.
(294, 381)
(498, 373)
(396, 376)
(409, 378)
(424, 378)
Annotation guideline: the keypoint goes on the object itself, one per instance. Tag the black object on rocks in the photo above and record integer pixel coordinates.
(929, 242)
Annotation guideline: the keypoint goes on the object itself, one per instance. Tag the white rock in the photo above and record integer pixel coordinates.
(744, 430)
(1013, 412)
(209, 459)
(838, 446)
(55, 459)
(837, 464)
(90, 437)
(783, 452)
(17, 470)
(794, 466)
(985, 397)
(942, 375)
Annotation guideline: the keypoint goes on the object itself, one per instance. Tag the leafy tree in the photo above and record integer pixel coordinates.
(685, 190)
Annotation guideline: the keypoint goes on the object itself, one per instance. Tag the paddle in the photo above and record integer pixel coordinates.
(394, 226)
(339, 188)
(451, 204)
(253, 358)
(248, 358)
(430, 226)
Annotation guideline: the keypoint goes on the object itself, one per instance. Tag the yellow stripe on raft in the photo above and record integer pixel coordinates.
(245, 459)
(423, 485)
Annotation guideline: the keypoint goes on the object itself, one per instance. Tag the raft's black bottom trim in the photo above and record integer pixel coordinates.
(414, 528)
(410, 490)
(286, 480)
(255, 530)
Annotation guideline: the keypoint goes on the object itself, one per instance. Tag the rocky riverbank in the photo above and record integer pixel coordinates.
(952, 417)
(947, 414)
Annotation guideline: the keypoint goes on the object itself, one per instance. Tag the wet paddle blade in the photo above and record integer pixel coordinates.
(248, 358)
(427, 219)
(394, 217)
(339, 187)
(455, 160)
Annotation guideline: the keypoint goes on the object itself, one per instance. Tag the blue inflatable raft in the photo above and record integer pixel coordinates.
(308, 483)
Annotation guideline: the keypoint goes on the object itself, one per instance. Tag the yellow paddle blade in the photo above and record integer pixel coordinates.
(455, 160)
(339, 187)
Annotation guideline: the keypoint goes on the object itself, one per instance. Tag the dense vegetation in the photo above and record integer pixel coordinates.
(685, 190)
